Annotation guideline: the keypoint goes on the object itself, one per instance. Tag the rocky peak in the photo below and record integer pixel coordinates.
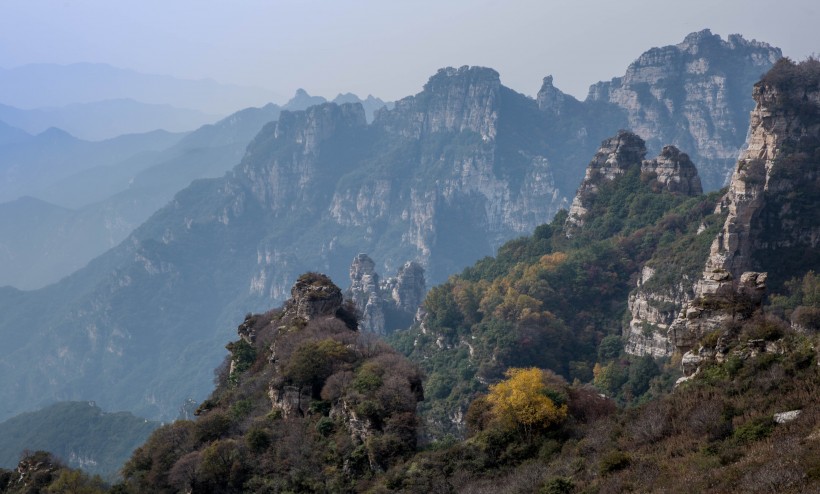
(615, 156)
(282, 164)
(409, 289)
(387, 305)
(363, 273)
(314, 295)
(302, 100)
(674, 172)
(770, 227)
(309, 128)
(696, 41)
(671, 171)
(365, 292)
(453, 100)
(550, 98)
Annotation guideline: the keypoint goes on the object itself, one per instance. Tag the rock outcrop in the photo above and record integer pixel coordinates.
(693, 95)
(672, 171)
(314, 295)
(387, 305)
(652, 312)
(550, 98)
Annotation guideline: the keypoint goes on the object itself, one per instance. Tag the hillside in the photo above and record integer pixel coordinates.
(79, 433)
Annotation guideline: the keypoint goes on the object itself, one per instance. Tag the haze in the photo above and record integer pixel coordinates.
(384, 48)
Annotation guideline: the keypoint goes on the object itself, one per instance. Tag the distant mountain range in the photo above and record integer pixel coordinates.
(91, 195)
(106, 119)
(35, 86)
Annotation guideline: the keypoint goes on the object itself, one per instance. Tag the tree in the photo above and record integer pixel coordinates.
(524, 399)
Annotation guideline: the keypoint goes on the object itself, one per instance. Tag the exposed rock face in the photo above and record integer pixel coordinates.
(288, 180)
(761, 182)
(387, 305)
(454, 100)
(653, 311)
(551, 98)
(699, 86)
(409, 288)
(366, 294)
(290, 401)
(672, 171)
(314, 295)
(771, 227)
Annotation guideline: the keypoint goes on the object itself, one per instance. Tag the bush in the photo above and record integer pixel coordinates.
(755, 429)
(614, 461)
(558, 485)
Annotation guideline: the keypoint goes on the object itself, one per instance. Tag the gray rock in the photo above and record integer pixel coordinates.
(387, 305)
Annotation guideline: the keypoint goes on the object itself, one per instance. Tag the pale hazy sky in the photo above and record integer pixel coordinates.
(385, 47)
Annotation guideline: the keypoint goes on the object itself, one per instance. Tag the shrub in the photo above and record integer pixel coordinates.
(614, 461)
(755, 429)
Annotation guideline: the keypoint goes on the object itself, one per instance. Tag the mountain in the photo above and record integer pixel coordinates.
(553, 299)
(106, 119)
(442, 179)
(305, 403)
(79, 433)
(300, 377)
(694, 95)
(32, 86)
(108, 201)
(11, 135)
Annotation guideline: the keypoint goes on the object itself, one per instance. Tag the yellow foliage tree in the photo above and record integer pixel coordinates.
(522, 399)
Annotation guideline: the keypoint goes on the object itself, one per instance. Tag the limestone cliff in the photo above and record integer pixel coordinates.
(771, 232)
(693, 95)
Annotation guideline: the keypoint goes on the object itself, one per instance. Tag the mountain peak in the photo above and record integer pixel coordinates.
(302, 100)
(550, 98)
(465, 74)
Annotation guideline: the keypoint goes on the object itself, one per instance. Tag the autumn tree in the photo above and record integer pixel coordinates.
(527, 400)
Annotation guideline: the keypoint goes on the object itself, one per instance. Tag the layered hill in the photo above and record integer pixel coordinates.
(78, 433)
(442, 179)
(104, 193)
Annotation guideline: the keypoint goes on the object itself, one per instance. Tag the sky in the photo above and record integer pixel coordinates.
(388, 48)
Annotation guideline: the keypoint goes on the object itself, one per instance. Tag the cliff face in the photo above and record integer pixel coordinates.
(694, 95)
(771, 231)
